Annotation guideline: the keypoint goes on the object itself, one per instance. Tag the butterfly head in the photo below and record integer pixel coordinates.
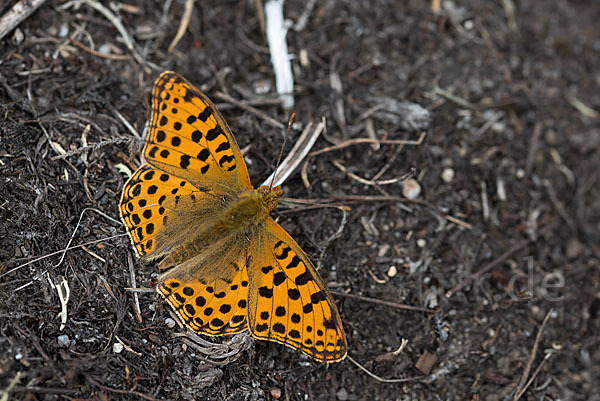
(269, 196)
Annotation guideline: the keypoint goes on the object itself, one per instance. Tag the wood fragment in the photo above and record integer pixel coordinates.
(523, 384)
(301, 147)
(355, 142)
(382, 302)
(245, 106)
(17, 14)
(183, 24)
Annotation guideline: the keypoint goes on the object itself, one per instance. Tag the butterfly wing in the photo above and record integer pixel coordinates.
(210, 291)
(194, 165)
(189, 138)
(288, 300)
(149, 203)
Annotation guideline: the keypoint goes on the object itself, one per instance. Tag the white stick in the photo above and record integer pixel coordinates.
(276, 31)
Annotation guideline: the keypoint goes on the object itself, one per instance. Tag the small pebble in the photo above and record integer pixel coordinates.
(304, 59)
(64, 341)
(342, 394)
(421, 243)
(498, 127)
(118, 348)
(18, 37)
(105, 48)
(431, 300)
(574, 248)
(500, 189)
(392, 271)
(170, 322)
(262, 86)
(520, 173)
(276, 393)
(64, 30)
(383, 249)
(411, 188)
(448, 175)
(469, 24)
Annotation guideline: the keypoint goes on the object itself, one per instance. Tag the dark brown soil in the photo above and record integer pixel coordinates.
(514, 101)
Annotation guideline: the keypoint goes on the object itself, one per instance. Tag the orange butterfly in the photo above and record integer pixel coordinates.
(232, 268)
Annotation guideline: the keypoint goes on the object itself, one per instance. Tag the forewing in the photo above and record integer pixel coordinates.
(210, 292)
(189, 138)
(288, 300)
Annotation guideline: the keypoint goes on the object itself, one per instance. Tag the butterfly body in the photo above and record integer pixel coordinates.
(230, 266)
(238, 218)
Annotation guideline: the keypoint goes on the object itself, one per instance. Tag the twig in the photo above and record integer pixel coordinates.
(509, 8)
(14, 269)
(280, 58)
(485, 205)
(378, 198)
(391, 160)
(94, 146)
(491, 121)
(17, 14)
(459, 222)
(244, 106)
(260, 14)
(374, 376)
(381, 302)
(96, 53)
(126, 123)
(4, 393)
(77, 226)
(310, 204)
(115, 21)
(301, 148)
(343, 169)
(305, 16)
(132, 282)
(558, 204)
(42, 390)
(118, 391)
(64, 292)
(127, 347)
(533, 146)
(183, 24)
(513, 249)
(354, 142)
(452, 97)
(582, 107)
(392, 198)
(522, 386)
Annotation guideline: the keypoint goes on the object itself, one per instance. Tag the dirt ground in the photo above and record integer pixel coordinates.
(504, 233)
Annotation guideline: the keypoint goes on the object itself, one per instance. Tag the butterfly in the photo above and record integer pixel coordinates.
(229, 267)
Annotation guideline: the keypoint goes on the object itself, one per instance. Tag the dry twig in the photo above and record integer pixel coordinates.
(183, 24)
(299, 151)
(19, 12)
(244, 106)
(381, 379)
(381, 302)
(523, 385)
(354, 142)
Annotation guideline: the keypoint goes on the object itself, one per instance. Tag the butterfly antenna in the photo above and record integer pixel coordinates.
(287, 134)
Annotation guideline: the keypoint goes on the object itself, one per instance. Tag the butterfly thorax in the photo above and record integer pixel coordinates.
(249, 208)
